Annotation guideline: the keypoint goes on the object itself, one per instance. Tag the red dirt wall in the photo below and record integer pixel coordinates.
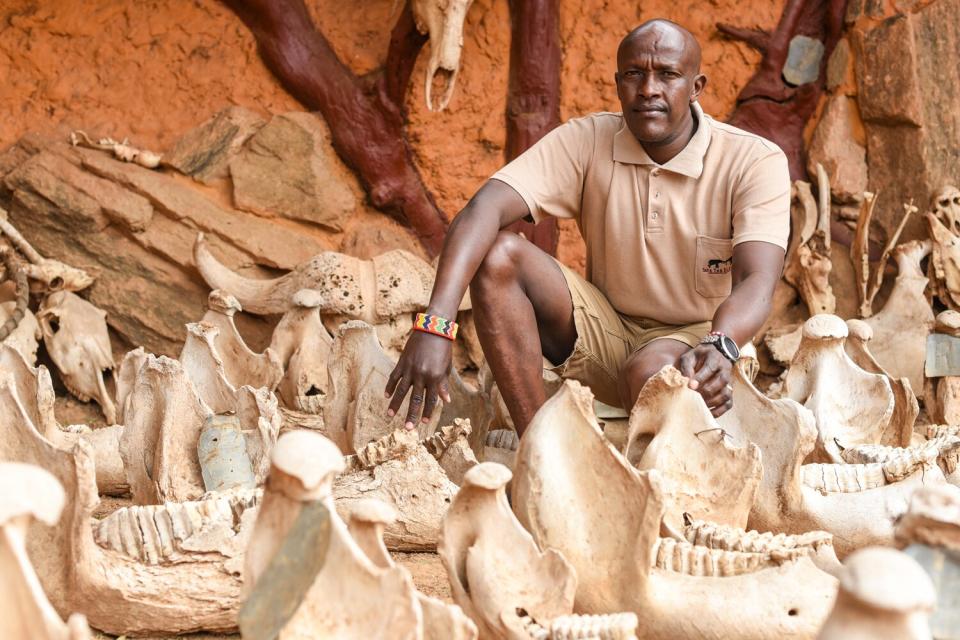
(153, 70)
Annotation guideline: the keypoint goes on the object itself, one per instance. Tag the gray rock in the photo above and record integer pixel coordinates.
(205, 151)
(803, 60)
(289, 169)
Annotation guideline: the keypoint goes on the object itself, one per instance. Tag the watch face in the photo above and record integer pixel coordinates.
(730, 348)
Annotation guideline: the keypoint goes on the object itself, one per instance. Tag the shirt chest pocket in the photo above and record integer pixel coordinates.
(714, 266)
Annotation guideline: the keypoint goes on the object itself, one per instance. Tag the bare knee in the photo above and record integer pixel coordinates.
(500, 264)
(638, 368)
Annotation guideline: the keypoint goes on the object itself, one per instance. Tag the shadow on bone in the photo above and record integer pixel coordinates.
(576, 494)
(303, 346)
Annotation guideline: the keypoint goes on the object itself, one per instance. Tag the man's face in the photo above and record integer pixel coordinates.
(657, 79)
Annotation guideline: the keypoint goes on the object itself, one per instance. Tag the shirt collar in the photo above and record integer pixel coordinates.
(689, 162)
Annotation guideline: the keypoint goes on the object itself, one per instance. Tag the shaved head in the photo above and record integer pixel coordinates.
(658, 78)
(667, 34)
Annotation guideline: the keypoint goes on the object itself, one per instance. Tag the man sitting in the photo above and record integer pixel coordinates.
(685, 221)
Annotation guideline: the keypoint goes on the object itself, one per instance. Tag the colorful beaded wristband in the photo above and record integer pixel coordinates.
(436, 325)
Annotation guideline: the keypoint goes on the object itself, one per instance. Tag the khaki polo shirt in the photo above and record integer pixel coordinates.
(659, 238)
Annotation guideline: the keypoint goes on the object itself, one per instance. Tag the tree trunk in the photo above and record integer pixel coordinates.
(366, 118)
(770, 107)
(533, 100)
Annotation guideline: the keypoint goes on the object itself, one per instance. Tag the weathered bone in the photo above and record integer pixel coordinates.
(355, 410)
(164, 417)
(704, 474)
(123, 151)
(443, 20)
(393, 283)
(809, 271)
(945, 258)
(12, 313)
(943, 449)
(901, 327)
(942, 394)
(615, 626)
(786, 433)
(414, 484)
(336, 591)
(884, 595)
(47, 273)
(242, 366)
(577, 495)
(75, 335)
(29, 493)
(441, 621)
(899, 429)
(303, 345)
(182, 531)
(118, 595)
(850, 405)
(494, 566)
(25, 337)
(34, 392)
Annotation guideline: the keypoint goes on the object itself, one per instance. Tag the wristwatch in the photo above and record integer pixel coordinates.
(724, 344)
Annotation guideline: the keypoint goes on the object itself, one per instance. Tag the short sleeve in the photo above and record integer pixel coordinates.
(761, 202)
(549, 175)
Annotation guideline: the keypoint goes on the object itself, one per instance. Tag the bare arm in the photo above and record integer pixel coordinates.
(425, 362)
(756, 270)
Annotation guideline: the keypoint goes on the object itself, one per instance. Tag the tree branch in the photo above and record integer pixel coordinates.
(759, 39)
(767, 105)
(366, 132)
(533, 98)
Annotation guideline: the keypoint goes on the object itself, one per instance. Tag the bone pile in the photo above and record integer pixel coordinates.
(267, 492)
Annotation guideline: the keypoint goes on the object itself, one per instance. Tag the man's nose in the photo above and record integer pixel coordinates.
(650, 86)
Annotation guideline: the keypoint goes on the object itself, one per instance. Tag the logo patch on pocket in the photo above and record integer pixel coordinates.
(718, 267)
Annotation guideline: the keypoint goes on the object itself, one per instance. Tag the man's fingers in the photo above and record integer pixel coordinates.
(714, 384)
(707, 368)
(398, 395)
(687, 363)
(445, 391)
(392, 381)
(417, 395)
(429, 405)
(722, 409)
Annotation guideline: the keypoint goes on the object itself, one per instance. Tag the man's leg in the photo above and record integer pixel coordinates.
(523, 311)
(644, 363)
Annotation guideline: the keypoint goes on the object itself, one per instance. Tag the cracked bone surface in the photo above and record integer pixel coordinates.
(786, 433)
(411, 481)
(75, 335)
(703, 473)
(123, 150)
(304, 575)
(29, 493)
(164, 416)
(33, 391)
(354, 409)
(494, 565)
(119, 595)
(899, 429)
(443, 21)
(575, 493)
(303, 346)
(850, 405)
(884, 595)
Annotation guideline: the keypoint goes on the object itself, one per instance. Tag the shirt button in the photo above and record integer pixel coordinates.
(656, 215)
(656, 195)
(655, 173)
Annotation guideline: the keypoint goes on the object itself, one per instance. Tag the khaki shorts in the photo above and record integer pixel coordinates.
(606, 338)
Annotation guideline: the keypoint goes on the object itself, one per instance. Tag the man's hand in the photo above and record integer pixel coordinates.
(422, 370)
(709, 374)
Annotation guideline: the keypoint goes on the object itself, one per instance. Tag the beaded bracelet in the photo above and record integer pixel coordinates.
(436, 325)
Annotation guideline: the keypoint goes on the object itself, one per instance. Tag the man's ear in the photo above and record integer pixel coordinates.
(616, 77)
(698, 85)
